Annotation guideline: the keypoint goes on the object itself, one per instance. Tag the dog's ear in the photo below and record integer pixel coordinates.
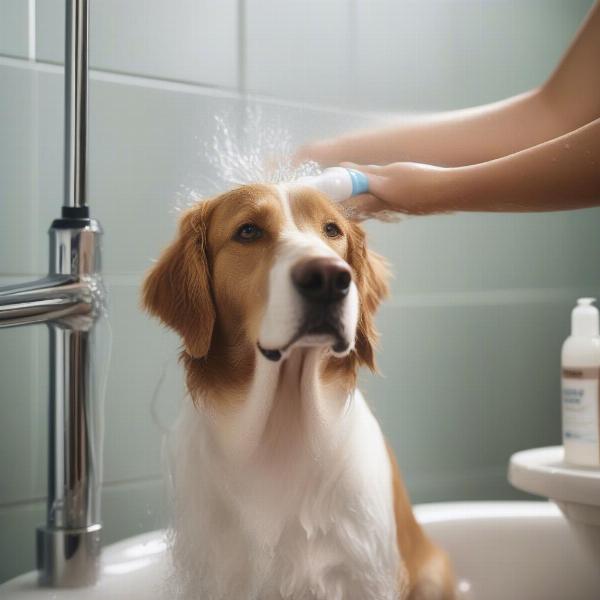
(177, 288)
(372, 274)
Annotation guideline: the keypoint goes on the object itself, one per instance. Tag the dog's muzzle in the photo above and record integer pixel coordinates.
(323, 283)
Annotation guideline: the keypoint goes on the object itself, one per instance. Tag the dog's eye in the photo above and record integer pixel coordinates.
(332, 230)
(248, 232)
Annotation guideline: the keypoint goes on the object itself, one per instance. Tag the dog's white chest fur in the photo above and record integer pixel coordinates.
(301, 508)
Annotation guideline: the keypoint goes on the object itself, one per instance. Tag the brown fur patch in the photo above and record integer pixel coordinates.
(177, 289)
(428, 568)
(212, 290)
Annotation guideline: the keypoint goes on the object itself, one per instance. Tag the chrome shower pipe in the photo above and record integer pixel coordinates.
(76, 97)
(70, 300)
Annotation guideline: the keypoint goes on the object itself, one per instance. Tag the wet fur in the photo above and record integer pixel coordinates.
(214, 297)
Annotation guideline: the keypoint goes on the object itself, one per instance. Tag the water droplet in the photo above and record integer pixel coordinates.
(261, 150)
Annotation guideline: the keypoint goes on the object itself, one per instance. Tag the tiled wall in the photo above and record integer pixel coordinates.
(480, 303)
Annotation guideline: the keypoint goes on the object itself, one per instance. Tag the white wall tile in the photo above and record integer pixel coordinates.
(473, 252)
(463, 387)
(439, 54)
(190, 40)
(17, 542)
(300, 49)
(374, 54)
(399, 55)
(146, 144)
(145, 389)
(18, 155)
(14, 28)
(23, 407)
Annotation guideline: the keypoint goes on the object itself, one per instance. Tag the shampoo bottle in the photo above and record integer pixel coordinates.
(580, 387)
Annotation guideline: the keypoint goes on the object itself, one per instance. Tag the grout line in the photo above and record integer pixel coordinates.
(24, 63)
(493, 297)
(242, 47)
(31, 31)
(469, 474)
(499, 297)
(16, 276)
(352, 45)
(508, 296)
(39, 347)
(124, 482)
(105, 486)
(22, 503)
(123, 78)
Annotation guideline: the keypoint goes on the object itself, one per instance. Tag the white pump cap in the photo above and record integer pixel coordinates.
(584, 318)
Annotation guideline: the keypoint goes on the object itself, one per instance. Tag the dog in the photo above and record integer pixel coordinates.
(285, 487)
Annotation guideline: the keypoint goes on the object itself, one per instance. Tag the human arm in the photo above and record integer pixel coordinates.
(567, 100)
(560, 174)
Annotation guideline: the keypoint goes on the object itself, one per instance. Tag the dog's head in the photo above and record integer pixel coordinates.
(260, 271)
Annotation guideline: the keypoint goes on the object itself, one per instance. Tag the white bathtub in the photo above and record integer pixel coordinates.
(500, 550)
(512, 551)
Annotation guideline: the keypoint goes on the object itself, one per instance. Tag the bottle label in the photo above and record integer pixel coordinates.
(580, 404)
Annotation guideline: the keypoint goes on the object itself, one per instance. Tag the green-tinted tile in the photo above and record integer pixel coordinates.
(464, 387)
(23, 407)
(442, 55)
(192, 40)
(469, 252)
(14, 34)
(17, 542)
(18, 155)
(144, 390)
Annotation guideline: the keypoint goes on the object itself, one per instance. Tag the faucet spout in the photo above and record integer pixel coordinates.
(52, 298)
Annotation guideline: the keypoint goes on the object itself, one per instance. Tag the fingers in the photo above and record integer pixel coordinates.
(364, 206)
(400, 188)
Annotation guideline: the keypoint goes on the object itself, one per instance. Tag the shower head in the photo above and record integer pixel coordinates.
(339, 183)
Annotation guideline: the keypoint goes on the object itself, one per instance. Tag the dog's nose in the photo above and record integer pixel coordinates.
(322, 279)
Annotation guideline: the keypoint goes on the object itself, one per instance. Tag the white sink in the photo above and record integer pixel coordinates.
(576, 490)
(500, 550)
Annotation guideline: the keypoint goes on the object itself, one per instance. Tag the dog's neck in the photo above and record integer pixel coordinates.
(290, 404)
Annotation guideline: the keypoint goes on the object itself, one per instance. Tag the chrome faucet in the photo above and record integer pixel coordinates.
(70, 300)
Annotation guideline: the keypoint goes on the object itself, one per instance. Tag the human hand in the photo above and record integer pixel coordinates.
(409, 188)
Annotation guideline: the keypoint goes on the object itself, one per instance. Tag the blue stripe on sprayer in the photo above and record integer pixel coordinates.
(360, 182)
